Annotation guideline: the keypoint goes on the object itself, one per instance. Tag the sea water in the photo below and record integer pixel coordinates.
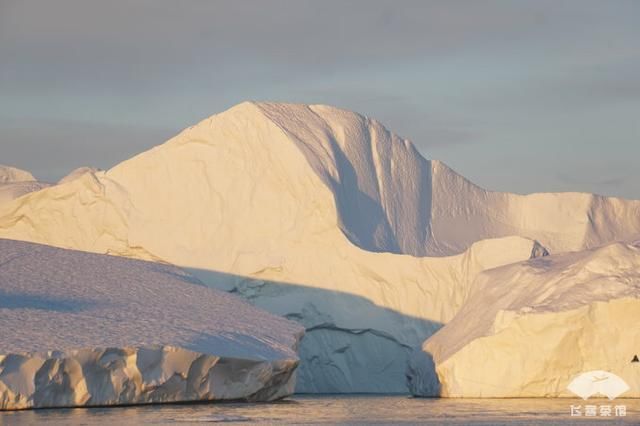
(349, 409)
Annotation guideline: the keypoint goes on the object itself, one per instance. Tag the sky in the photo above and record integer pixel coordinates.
(519, 96)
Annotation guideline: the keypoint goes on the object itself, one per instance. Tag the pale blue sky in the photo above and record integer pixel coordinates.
(517, 96)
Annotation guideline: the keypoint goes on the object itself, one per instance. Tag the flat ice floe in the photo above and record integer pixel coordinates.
(529, 329)
(82, 329)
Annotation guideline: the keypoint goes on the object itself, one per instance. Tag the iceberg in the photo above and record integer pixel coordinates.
(537, 327)
(320, 215)
(83, 329)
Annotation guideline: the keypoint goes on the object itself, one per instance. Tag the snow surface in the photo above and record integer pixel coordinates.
(534, 326)
(320, 215)
(85, 329)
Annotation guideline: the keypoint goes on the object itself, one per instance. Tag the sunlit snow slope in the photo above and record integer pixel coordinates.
(80, 329)
(321, 215)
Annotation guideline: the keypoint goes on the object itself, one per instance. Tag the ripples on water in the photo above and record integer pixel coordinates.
(330, 409)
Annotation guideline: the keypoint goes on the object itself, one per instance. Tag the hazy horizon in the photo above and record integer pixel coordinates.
(521, 97)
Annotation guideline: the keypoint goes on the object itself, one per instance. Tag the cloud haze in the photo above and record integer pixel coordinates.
(517, 96)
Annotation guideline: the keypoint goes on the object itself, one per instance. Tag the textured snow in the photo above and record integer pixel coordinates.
(85, 329)
(317, 165)
(323, 216)
(389, 198)
(536, 325)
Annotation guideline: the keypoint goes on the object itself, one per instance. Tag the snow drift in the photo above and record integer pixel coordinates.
(80, 329)
(321, 215)
(535, 326)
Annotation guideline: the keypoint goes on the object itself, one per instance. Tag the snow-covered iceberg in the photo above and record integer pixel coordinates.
(81, 329)
(15, 183)
(367, 311)
(529, 329)
(323, 216)
(262, 174)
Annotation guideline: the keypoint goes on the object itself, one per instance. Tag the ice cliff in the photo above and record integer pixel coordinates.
(536, 325)
(82, 329)
(323, 216)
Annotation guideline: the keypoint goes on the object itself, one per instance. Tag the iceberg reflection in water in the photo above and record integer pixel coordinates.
(331, 409)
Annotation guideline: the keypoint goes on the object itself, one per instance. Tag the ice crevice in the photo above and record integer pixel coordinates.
(357, 332)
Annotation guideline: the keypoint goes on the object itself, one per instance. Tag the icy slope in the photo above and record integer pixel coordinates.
(389, 198)
(15, 183)
(534, 326)
(290, 205)
(80, 329)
